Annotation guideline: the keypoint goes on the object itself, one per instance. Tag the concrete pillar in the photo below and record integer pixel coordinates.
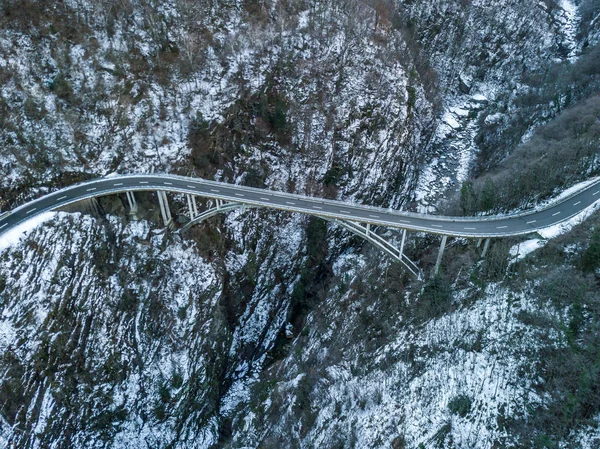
(164, 207)
(368, 228)
(402, 243)
(485, 247)
(194, 206)
(440, 254)
(131, 201)
(479, 243)
(219, 203)
(190, 207)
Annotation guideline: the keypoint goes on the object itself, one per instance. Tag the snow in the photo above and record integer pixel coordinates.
(18, 233)
(520, 250)
(571, 191)
(570, 25)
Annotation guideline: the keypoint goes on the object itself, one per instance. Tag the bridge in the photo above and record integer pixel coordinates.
(356, 218)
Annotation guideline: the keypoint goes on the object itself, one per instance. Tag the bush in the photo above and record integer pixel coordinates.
(460, 405)
(590, 261)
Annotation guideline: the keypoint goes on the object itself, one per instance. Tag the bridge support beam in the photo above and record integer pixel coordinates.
(194, 206)
(485, 247)
(440, 254)
(366, 233)
(402, 243)
(223, 207)
(479, 242)
(191, 209)
(164, 207)
(132, 203)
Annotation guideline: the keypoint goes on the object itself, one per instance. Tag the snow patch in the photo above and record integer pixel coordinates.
(16, 234)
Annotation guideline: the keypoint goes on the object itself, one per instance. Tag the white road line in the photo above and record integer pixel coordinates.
(192, 187)
(239, 194)
(576, 203)
(290, 202)
(437, 226)
(532, 221)
(143, 182)
(596, 193)
(118, 184)
(471, 229)
(317, 207)
(214, 190)
(91, 190)
(167, 183)
(555, 214)
(345, 211)
(61, 198)
(501, 227)
(265, 199)
(5, 224)
(31, 210)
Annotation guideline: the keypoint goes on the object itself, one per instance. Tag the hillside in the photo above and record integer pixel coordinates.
(270, 329)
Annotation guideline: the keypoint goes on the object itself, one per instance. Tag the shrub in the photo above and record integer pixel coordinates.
(460, 405)
(590, 261)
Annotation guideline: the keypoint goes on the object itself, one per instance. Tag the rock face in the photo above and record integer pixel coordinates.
(264, 329)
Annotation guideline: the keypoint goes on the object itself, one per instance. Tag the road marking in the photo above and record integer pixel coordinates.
(471, 229)
(437, 226)
(532, 221)
(91, 190)
(192, 187)
(317, 207)
(239, 194)
(214, 190)
(143, 182)
(5, 224)
(290, 202)
(345, 211)
(555, 214)
(265, 199)
(167, 183)
(576, 203)
(61, 198)
(374, 216)
(30, 211)
(118, 184)
(501, 227)
(596, 193)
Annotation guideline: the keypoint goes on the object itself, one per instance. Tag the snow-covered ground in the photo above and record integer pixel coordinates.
(21, 231)
(455, 136)
(569, 21)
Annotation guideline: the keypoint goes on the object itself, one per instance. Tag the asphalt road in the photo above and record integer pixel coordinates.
(477, 227)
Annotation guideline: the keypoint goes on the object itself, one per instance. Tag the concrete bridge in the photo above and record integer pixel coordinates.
(356, 218)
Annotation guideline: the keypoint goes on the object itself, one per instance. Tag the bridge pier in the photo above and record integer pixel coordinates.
(164, 207)
(132, 203)
(402, 242)
(194, 205)
(440, 254)
(485, 247)
(192, 208)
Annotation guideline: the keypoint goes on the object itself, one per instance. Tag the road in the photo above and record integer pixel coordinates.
(476, 227)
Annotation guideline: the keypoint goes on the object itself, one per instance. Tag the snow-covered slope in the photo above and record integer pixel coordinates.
(265, 329)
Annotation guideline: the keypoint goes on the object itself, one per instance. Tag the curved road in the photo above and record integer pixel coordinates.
(477, 227)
